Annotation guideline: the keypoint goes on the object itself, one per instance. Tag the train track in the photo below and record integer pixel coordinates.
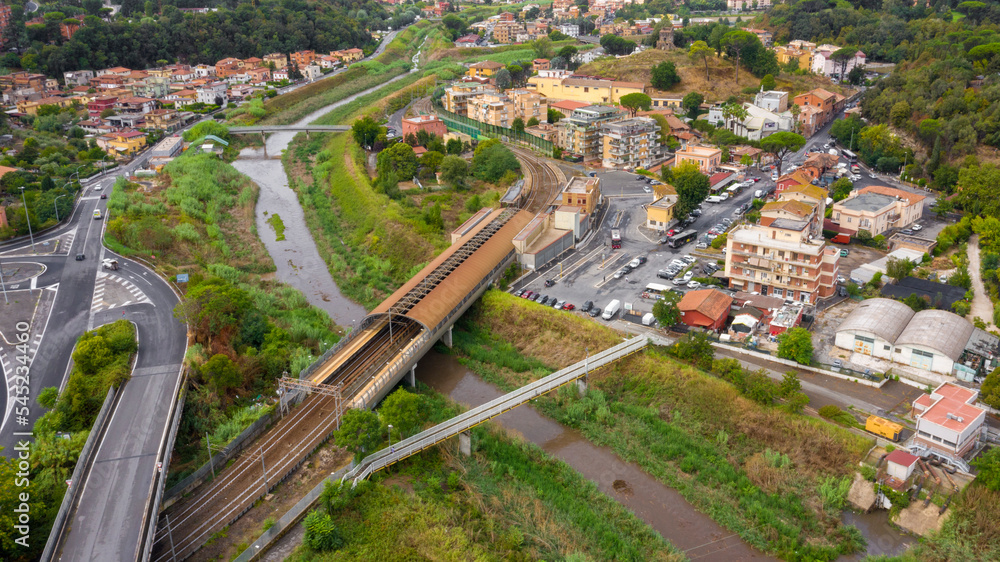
(545, 183)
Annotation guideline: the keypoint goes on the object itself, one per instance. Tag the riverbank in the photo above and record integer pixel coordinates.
(776, 479)
(508, 500)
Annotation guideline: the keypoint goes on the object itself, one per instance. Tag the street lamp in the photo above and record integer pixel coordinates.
(390, 436)
(27, 217)
(57, 206)
(104, 170)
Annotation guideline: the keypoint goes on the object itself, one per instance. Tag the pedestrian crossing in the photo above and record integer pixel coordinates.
(112, 291)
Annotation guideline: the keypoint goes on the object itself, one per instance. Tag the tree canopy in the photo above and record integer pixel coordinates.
(636, 102)
(664, 76)
(781, 144)
(796, 344)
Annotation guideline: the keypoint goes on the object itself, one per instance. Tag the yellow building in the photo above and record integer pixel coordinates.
(456, 98)
(582, 192)
(31, 107)
(494, 109)
(784, 54)
(707, 158)
(484, 69)
(528, 104)
(127, 143)
(561, 85)
(164, 119)
(660, 213)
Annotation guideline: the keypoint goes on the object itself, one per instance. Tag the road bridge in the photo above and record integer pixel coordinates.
(262, 129)
(362, 368)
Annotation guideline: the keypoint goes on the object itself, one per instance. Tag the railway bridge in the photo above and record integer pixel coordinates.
(357, 373)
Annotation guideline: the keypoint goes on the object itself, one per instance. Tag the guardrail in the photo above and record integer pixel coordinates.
(476, 416)
(466, 125)
(145, 545)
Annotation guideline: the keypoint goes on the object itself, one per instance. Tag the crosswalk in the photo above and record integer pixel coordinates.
(112, 291)
(8, 363)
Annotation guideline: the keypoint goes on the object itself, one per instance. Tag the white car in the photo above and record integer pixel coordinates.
(634, 263)
(694, 285)
(688, 260)
(684, 280)
(871, 175)
(98, 187)
(841, 280)
(915, 227)
(647, 189)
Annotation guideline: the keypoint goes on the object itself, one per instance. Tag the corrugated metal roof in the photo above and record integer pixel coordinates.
(443, 298)
(939, 330)
(884, 318)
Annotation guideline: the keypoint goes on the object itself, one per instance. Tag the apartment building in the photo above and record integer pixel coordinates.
(77, 77)
(507, 31)
(707, 158)
(877, 209)
(484, 69)
(771, 100)
(563, 85)
(428, 123)
(277, 59)
(782, 260)
(818, 107)
(528, 104)
(302, 59)
(493, 109)
(580, 132)
(570, 29)
(632, 143)
(456, 98)
(811, 195)
(823, 63)
(582, 192)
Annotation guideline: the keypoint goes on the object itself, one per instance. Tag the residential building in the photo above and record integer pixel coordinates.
(76, 77)
(456, 98)
(136, 106)
(818, 107)
(707, 158)
(760, 123)
(127, 143)
(762, 34)
(632, 143)
(181, 98)
(212, 93)
(705, 308)
(772, 100)
(582, 192)
(747, 5)
(660, 213)
(228, 67)
(823, 62)
(107, 82)
(571, 29)
(566, 107)
(580, 132)
(948, 420)
(877, 209)
(114, 71)
(484, 69)
(260, 75)
(279, 60)
(528, 104)
(164, 119)
(329, 61)
(282, 74)
(665, 101)
(302, 59)
(494, 109)
(783, 260)
(31, 107)
(151, 87)
(790, 210)
(801, 51)
(563, 85)
(470, 40)
(506, 32)
(204, 71)
(813, 196)
(5, 17)
(428, 123)
(801, 176)
(311, 72)
(540, 64)
(98, 105)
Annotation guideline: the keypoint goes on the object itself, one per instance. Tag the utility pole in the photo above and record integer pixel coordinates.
(264, 468)
(27, 218)
(170, 535)
(3, 285)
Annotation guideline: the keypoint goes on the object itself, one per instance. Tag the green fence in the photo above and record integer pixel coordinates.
(478, 129)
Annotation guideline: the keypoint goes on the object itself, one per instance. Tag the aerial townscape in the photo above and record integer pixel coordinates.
(582, 280)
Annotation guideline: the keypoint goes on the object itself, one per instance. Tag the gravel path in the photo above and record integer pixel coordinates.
(981, 305)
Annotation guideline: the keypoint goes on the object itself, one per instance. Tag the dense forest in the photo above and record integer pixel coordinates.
(150, 35)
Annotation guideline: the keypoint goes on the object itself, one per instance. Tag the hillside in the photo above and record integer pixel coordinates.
(720, 85)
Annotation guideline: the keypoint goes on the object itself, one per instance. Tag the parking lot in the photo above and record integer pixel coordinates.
(587, 273)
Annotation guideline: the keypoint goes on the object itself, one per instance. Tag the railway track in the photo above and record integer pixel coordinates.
(544, 181)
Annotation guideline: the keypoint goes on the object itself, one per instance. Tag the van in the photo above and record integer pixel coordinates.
(97, 214)
(648, 319)
(611, 309)
(714, 199)
(758, 194)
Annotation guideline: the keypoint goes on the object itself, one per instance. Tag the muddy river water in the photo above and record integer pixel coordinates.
(662, 507)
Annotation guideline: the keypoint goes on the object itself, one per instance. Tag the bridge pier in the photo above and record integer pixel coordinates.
(446, 338)
(263, 139)
(465, 443)
(307, 134)
(412, 377)
(581, 387)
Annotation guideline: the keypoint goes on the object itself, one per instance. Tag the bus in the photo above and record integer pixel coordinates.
(678, 240)
(655, 291)
(616, 239)
(851, 157)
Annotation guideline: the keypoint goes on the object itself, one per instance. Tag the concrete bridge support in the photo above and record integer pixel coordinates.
(465, 443)
(263, 139)
(446, 337)
(412, 377)
(581, 387)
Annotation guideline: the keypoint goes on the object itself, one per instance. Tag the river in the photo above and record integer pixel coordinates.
(660, 506)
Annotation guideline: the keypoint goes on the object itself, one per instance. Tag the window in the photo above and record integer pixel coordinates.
(922, 353)
(886, 347)
(923, 433)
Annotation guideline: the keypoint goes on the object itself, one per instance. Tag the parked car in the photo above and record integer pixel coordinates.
(104, 196)
(549, 282)
(595, 311)
(540, 297)
(666, 274)
(568, 306)
(620, 273)
(688, 260)
(634, 263)
(727, 221)
(841, 280)
(758, 194)
(906, 231)
(528, 295)
(587, 306)
(916, 228)
(518, 292)
(647, 189)
(642, 259)
(559, 305)
(694, 285)
(842, 291)
(696, 213)
(844, 252)
(701, 246)
(685, 279)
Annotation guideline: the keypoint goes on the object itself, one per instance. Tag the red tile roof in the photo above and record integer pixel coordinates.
(708, 302)
(902, 458)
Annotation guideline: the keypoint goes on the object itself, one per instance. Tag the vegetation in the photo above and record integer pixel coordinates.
(676, 422)
(665, 310)
(509, 500)
(796, 344)
(691, 186)
(102, 359)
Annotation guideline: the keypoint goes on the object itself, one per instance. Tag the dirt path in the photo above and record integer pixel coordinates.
(981, 305)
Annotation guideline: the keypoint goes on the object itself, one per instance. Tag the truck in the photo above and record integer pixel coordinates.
(612, 309)
(616, 239)
(881, 426)
(714, 199)
(648, 319)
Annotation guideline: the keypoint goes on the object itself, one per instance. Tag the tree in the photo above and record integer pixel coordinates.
(321, 534)
(767, 82)
(567, 53)
(692, 103)
(899, 268)
(796, 344)
(734, 111)
(781, 144)
(664, 76)
(899, 115)
(841, 188)
(360, 432)
(665, 310)
(491, 163)
(696, 348)
(989, 393)
(691, 185)
(734, 43)
(431, 161)
(517, 125)
(221, 373)
(398, 159)
(842, 56)
(401, 410)
(635, 102)
(988, 465)
(454, 146)
(503, 79)
(365, 131)
(454, 170)
(553, 115)
(533, 121)
(542, 47)
(699, 51)
(789, 385)
(856, 76)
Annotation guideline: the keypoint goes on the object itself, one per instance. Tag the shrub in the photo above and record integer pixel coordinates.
(321, 534)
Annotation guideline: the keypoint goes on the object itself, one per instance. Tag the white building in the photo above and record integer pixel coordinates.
(570, 29)
(208, 93)
(772, 100)
(824, 64)
(204, 71)
(589, 56)
(746, 5)
(760, 122)
(311, 72)
(947, 420)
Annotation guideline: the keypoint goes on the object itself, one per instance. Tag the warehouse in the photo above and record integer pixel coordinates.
(872, 328)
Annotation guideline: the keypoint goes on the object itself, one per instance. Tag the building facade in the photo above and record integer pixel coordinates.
(632, 143)
(877, 209)
(580, 132)
(707, 158)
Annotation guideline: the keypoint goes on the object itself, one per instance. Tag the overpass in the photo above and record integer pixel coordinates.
(263, 129)
(357, 373)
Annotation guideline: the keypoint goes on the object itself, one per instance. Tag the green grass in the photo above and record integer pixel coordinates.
(508, 501)
(772, 477)
(278, 226)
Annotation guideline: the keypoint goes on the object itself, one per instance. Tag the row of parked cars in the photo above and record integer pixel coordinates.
(545, 300)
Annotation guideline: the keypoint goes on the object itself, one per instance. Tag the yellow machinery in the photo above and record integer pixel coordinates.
(884, 427)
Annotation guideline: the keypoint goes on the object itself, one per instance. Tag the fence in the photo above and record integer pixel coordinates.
(472, 128)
